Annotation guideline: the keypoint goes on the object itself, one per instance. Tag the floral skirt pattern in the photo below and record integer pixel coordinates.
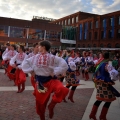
(71, 79)
(104, 92)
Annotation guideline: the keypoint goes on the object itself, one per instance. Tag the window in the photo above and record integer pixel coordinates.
(36, 34)
(118, 33)
(78, 45)
(83, 45)
(110, 34)
(85, 30)
(94, 45)
(96, 34)
(18, 32)
(112, 21)
(80, 31)
(3, 30)
(119, 20)
(89, 45)
(102, 34)
(77, 19)
(52, 35)
(101, 45)
(72, 20)
(109, 45)
(65, 22)
(96, 24)
(90, 35)
(91, 25)
(104, 23)
(69, 21)
(117, 45)
(62, 22)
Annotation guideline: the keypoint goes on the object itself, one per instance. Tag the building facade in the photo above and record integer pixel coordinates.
(94, 31)
(79, 30)
(28, 32)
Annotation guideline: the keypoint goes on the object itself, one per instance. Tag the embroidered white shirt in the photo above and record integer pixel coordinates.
(45, 65)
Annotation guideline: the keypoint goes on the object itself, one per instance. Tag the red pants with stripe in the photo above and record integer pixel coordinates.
(53, 86)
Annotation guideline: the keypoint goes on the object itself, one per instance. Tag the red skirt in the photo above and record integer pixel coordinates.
(20, 77)
(9, 74)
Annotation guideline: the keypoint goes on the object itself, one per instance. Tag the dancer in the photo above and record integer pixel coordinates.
(5, 62)
(77, 62)
(45, 66)
(16, 62)
(104, 89)
(84, 66)
(7, 57)
(70, 78)
(35, 51)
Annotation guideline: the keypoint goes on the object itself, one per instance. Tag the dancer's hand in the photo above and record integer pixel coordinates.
(32, 73)
(14, 66)
(52, 74)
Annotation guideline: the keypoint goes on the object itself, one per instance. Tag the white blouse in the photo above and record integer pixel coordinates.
(45, 65)
(18, 58)
(8, 55)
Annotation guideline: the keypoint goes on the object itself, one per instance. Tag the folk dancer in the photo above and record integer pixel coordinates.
(84, 66)
(20, 76)
(45, 66)
(105, 91)
(35, 51)
(71, 80)
(5, 62)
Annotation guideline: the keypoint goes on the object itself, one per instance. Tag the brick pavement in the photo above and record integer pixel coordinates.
(14, 106)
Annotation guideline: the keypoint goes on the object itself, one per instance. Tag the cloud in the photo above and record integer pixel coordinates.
(26, 9)
(104, 6)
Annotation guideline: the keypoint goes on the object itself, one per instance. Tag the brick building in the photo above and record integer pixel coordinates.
(80, 30)
(94, 31)
(28, 32)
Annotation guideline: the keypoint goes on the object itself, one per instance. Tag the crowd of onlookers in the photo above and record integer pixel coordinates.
(114, 56)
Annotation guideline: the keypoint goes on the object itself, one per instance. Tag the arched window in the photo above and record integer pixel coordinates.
(89, 45)
(109, 45)
(101, 45)
(94, 45)
(83, 45)
(78, 45)
(117, 45)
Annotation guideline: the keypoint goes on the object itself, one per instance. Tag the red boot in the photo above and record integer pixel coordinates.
(86, 76)
(83, 75)
(103, 113)
(77, 73)
(23, 87)
(18, 89)
(51, 109)
(93, 112)
(42, 117)
(65, 100)
(70, 97)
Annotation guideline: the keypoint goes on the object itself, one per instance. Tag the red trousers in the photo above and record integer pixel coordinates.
(53, 86)
(10, 75)
(20, 77)
(33, 81)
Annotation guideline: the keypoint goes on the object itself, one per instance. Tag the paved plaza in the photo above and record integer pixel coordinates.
(21, 106)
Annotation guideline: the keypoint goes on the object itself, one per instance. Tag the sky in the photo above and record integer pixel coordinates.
(26, 9)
